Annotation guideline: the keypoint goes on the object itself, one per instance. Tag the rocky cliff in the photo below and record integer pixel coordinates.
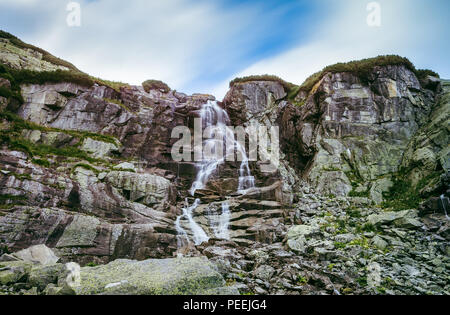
(357, 205)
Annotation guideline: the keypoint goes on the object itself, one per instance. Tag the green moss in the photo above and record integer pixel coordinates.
(91, 264)
(402, 195)
(362, 281)
(339, 245)
(41, 162)
(8, 199)
(42, 150)
(365, 193)
(20, 124)
(353, 213)
(20, 176)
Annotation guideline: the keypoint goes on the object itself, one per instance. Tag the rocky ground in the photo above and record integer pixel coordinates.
(357, 205)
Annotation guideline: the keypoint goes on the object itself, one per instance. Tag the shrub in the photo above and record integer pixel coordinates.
(155, 85)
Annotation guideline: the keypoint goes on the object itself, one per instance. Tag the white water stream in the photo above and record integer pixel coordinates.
(221, 136)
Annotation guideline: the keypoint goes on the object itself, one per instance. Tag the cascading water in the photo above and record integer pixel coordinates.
(442, 197)
(220, 228)
(215, 119)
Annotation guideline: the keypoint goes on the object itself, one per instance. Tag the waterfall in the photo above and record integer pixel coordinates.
(220, 228)
(215, 120)
(442, 197)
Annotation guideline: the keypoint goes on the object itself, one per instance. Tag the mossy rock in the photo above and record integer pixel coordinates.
(175, 276)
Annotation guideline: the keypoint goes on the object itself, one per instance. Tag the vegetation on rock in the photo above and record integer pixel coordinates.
(363, 69)
(155, 85)
(45, 55)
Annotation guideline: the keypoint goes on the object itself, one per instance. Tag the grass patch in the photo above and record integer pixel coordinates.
(291, 89)
(301, 279)
(41, 77)
(42, 162)
(117, 102)
(6, 198)
(20, 124)
(45, 54)
(115, 85)
(87, 167)
(155, 85)
(42, 150)
(402, 195)
(91, 264)
(365, 193)
(265, 77)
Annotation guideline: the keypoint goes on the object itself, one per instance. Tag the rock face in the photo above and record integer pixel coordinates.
(86, 176)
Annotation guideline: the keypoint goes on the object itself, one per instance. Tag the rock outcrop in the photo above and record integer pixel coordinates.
(358, 203)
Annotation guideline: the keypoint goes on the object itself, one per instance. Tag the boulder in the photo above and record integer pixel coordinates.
(296, 237)
(405, 219)
(37, 254)
(14, 271)
(41, 276)
(183, 276)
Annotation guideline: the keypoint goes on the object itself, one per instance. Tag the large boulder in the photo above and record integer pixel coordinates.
(38, 254)
(149, 277)
(405, 219)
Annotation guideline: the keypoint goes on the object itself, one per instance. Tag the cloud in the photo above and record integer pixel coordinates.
(183, 42)
(200, 45)
(344, 36)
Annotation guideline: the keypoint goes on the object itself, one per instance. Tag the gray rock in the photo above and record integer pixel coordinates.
(38, 254)
(264, 272)
(166, 276)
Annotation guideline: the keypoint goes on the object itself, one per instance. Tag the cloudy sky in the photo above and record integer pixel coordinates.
(200, 45)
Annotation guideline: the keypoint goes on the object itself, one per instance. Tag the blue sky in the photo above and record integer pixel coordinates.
(200, 45)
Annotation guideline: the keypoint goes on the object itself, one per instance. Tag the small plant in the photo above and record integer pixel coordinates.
(91, 264)
(340, 245)
(301, 279)
(362, 281)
